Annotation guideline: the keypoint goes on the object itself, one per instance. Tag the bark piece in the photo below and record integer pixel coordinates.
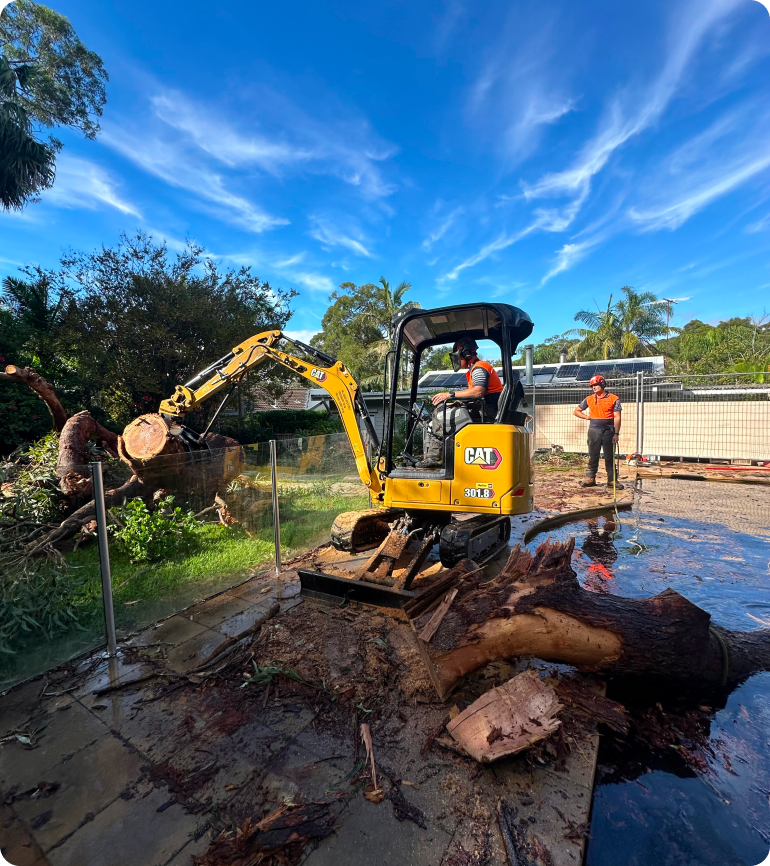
(507, 719)
(232, 641)
(43, 389)
(575, 693)
(438, 614)
(536, 607)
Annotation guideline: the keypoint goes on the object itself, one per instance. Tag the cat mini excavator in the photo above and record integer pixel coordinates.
(463, 505)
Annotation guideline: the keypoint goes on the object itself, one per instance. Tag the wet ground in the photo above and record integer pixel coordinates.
(705, 797)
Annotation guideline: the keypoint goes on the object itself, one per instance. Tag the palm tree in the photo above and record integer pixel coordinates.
(602, 336)
(390, 303)
(627, 328)
(27, 166)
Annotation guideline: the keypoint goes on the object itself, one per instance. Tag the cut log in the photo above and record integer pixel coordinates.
(507, 719)
(536, 607)
(43, 389)
(147, 437)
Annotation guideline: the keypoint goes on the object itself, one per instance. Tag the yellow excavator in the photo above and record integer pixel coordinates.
(464, 504)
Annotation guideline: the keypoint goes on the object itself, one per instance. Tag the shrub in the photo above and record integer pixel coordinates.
(148, 536)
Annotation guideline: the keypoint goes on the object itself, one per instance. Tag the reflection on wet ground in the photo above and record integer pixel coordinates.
(691, 785)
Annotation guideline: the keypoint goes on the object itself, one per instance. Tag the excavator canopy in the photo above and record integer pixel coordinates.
(503, 324)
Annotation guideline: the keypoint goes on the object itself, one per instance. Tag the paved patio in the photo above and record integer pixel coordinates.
(148, 775)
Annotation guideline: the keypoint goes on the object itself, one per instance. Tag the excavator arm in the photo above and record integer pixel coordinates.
(328, 373)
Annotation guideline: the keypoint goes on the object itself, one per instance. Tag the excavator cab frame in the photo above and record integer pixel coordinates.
(417, 331)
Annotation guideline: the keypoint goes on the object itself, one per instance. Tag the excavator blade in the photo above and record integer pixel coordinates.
(328, 587)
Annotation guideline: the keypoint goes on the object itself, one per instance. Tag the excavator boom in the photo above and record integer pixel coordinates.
(327, 373)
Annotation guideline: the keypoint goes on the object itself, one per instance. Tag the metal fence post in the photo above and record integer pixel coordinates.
(641, 413)
(638, 419)
(276, 510)
(104, 558)
(534, 420)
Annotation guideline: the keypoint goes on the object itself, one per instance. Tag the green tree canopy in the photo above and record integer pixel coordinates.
(48, 78)
(145, 322)
(625, 329)
(357, 328)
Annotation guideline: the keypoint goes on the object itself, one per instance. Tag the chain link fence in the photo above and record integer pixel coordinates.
(713, 417)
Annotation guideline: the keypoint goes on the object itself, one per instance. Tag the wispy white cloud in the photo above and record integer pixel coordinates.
(698, 193)
(568, 256)
(329, 236)
(759, 225)
(346, 148)
(516, 93)
(177, 168)
(628, 115)
(442, 228)
(81, 183)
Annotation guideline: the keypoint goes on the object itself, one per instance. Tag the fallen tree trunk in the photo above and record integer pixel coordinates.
(42, 388)
(536, 607)
(71, 467)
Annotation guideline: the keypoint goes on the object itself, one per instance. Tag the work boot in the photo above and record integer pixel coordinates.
(614, 485)
(588, 482)
(429, 463)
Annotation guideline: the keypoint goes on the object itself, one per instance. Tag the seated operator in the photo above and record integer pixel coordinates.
(483, 382)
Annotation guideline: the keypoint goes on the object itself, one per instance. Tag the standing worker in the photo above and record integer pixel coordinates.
(604, 411)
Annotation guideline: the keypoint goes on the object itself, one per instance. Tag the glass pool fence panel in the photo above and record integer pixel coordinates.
(50, 603)
(209, 528)
(715, 417)
(317, 480)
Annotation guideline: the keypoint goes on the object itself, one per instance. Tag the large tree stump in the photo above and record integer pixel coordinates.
(536, 607)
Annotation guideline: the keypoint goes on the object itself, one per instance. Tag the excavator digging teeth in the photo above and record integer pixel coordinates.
(362, 530)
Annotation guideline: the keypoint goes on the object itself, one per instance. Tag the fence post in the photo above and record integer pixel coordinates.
(276, 510)
(534, 420)
(641, 413)
(104, 558)
(638, 410)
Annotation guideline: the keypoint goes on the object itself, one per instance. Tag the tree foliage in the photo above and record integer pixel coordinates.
(626, 329)
(48, 78)
(358, 327)
(116, 330)
(735, 345)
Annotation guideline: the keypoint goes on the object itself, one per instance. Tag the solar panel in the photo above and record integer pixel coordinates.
(567, 371)
(585, 372)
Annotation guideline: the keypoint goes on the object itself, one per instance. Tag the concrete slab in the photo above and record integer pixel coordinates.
(62, 734)
(130, 833)
(88, 783)
(216, 610)
(172, 631)
(370, 835)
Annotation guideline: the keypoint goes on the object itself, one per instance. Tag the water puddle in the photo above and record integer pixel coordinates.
(652, 807)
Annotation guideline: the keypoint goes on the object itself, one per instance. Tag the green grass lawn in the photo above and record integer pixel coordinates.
(63, 601)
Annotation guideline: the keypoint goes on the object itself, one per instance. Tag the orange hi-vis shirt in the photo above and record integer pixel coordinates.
(494, 385)
(602, 409)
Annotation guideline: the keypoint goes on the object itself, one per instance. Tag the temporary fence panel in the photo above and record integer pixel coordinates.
(714, 417)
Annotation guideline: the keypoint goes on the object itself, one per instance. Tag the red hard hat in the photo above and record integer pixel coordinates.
(598, 380)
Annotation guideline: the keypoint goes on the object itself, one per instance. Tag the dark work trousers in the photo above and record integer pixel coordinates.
(600, 439)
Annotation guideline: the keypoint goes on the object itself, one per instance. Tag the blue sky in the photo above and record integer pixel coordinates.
(542, 154)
